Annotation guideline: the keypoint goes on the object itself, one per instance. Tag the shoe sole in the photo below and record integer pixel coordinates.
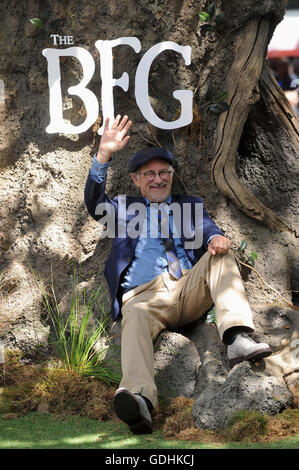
(260, 354)
(127, 409)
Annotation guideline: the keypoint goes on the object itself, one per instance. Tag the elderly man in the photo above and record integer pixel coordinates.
(158, 280)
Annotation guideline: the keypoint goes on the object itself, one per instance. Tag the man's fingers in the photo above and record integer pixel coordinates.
(122, 123)
(220, 249)
(106, 125)
(116, 122)
(126, 128)
(219, 246)
(125, 141)
(211, 250)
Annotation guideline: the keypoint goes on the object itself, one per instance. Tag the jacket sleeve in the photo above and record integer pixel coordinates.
(209, 228)
(95, 198)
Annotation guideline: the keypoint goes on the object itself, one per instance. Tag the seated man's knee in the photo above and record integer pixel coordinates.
(140, 319)
(135, 315)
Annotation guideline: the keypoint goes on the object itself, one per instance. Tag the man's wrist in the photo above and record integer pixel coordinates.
(103, 156)
(210, 238)
(98, 171)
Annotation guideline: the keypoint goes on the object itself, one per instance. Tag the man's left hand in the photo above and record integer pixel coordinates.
(219, 245)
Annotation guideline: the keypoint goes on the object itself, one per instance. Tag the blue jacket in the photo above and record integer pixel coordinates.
(122, 251)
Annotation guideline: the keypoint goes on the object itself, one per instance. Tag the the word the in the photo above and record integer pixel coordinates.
(105, 48)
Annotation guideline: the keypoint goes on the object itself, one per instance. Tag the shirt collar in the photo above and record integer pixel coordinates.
(168, 200)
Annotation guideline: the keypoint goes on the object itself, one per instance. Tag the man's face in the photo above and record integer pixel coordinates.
(157, 189)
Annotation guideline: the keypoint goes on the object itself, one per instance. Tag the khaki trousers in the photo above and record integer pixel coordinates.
(169, 303)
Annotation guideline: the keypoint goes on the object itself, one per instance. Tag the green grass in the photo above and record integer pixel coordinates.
(45, 431)
(75, 338)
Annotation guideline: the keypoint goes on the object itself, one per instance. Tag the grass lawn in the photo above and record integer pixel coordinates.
(45, 431)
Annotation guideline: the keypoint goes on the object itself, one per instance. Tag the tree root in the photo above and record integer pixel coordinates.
(243, 91)
(287, 302)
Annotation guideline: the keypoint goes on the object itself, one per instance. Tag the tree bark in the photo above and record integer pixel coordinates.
(246, 175)
(248, 78)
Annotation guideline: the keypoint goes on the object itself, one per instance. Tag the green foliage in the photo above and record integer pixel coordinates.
(211, 316)
(251, 257)
(246, 425)
(212, 10)
(218, 108)
(43, 431)
(222, 95)
(78, 335)
(37, 22)
(243, 246)
(216, 104)
(210, 16)
(204, 16)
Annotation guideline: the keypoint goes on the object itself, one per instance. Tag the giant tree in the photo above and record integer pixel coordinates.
(239, 152)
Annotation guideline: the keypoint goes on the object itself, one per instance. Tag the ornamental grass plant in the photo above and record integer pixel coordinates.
(79, 336)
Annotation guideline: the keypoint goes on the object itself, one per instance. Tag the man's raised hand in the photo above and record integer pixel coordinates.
(113, 139)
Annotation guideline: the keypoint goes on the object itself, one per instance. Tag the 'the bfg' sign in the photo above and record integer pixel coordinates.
(59, 125)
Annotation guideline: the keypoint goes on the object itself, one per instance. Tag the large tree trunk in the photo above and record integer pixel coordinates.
(242, 161)
(243, 82)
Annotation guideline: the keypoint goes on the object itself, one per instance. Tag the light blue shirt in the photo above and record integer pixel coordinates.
(150, 257)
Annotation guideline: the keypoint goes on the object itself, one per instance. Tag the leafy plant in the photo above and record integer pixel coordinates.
(243, 246)
(37, 22)
(79, 344)
(204, 16)
(210, 15)
(251, 257)
(211, 316)
(222, 95)
(216, 103)
(218, 108)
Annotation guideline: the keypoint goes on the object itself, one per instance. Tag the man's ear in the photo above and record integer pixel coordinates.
(135, 179)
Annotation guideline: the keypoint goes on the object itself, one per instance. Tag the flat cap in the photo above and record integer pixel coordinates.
(145, 155)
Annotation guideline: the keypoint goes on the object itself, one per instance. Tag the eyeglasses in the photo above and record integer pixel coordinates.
(151, 175)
